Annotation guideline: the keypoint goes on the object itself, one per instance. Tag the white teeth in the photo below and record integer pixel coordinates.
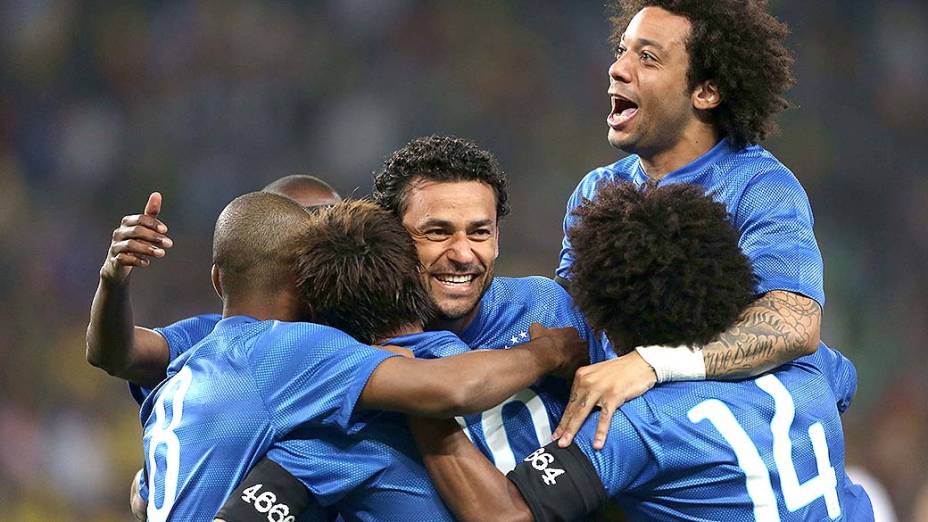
(458, 279)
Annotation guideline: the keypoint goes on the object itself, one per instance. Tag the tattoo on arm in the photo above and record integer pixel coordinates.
(778, 327)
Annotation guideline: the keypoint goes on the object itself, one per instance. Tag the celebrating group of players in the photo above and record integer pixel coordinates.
(368, 365)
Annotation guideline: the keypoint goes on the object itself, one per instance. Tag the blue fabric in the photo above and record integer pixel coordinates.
(375, 472)
(243, 387)
(180, 336)
(661, 465)
(765, 202)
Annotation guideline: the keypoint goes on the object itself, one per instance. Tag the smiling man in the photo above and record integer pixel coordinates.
(693, 90)
(451, 196)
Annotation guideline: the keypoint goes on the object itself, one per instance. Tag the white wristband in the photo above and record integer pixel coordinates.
(674, 363)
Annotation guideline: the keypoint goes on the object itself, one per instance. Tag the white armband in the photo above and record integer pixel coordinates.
(674, 363)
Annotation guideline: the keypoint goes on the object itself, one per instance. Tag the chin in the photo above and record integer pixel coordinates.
(453, 311)
(626, 143)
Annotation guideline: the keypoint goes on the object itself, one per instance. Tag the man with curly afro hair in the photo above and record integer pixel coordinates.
(693, 90)
(770, 448)
(667, 257)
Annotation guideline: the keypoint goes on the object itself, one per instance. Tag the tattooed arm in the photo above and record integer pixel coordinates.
(776, 328)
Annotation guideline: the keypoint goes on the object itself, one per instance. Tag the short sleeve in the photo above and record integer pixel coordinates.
(180, 336)
(312, 374)
(775, 220)
(621, 462)
(840, 373)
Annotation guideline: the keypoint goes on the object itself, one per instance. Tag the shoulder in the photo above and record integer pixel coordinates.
(621, 170)
(531, 290)
(198, 324)
(293, 337)
(757, 169)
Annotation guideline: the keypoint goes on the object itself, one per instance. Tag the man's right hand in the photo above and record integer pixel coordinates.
(138, 238)
(570, 350)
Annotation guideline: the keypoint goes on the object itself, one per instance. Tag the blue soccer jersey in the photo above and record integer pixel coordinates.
(765, 203)
(375, 473)
(768, 448)
(227, 399)
(514, 428)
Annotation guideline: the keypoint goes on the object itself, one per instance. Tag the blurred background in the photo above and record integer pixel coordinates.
(103, 102)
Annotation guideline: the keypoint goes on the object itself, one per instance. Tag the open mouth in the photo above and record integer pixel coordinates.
(623, 110)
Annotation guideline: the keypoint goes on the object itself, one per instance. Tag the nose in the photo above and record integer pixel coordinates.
(460, 250)
(620, 71)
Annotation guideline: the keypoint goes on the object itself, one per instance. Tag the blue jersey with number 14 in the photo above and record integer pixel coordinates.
(769, 448)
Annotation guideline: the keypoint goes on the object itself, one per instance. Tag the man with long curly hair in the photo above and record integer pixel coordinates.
(693, 89)
(769, 448)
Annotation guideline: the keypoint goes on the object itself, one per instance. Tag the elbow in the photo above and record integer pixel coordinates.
(809, 342)
(97, 360)
(92, 354)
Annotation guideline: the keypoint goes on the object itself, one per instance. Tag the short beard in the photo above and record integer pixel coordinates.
(444, 316)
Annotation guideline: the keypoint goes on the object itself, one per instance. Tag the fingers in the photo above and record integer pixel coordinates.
(536, 330)
(578, 409)
(124, 252)
(142, 220)
(606, 411)
(153, 207)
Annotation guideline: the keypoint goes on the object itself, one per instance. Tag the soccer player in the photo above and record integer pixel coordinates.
(694, 87)
(255, 379)
(451, 195)
(766, 448)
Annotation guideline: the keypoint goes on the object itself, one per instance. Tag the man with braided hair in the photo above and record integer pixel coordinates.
(770, 448)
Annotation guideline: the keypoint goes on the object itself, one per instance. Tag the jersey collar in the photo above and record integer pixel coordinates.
(691, 170)
(234, 320)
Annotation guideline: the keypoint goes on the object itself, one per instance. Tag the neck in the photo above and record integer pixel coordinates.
(282, 306)
(692, 143)
(412, 328)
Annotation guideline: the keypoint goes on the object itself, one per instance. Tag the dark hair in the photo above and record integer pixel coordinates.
(657, 265)
(438, 158)
(357, 270)
(738, 44)
(253, 242)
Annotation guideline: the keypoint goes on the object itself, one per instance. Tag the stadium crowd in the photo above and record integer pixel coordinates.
(102, 104)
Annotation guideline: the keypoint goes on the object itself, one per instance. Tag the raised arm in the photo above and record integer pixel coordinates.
(474, 381)
(114, 343)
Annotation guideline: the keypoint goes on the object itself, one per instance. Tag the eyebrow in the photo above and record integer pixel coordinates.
(432, 222)
(644, 42)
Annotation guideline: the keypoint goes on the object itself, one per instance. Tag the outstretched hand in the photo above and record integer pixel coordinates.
(138, 238)
(606, 385)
